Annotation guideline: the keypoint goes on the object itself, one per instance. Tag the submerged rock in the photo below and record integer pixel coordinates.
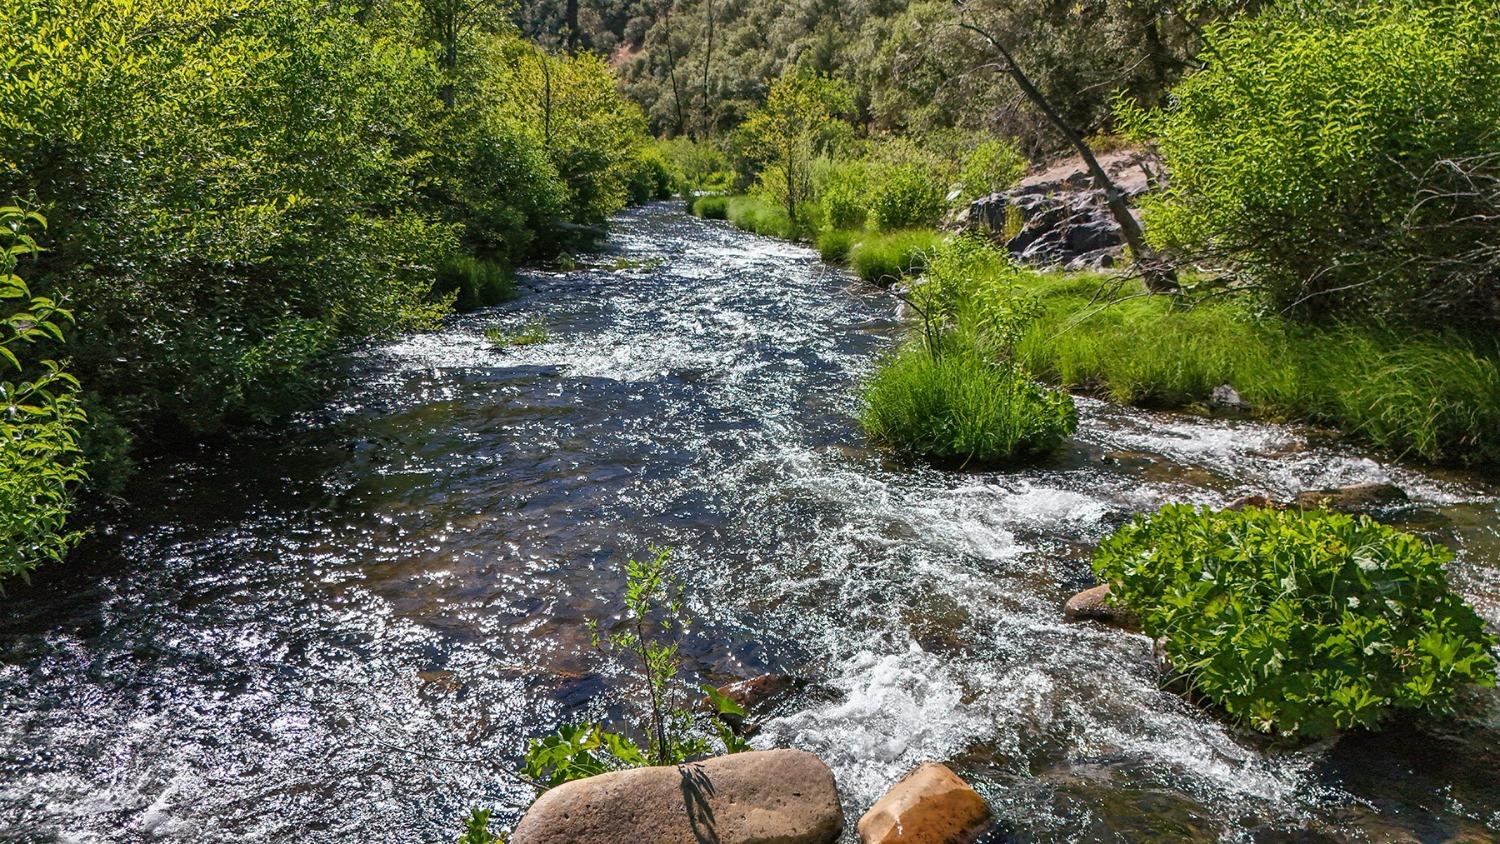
(1094, 605)
(1257, 500)
(759, 697)
(1352, 499)
(763, 797)
(1226, 397)
(932, 805)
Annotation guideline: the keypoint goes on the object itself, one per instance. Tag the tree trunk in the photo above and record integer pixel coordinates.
(1159, 276)
(704, 127)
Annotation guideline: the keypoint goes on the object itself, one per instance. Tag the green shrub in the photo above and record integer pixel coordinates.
(887, 258)
(712, 207)
(1342, 156)
(956, 403)
(651, 176)
(1299, 622)
(40, 466)
(474, 282)
(990, 167)
(905, 196)
(844, 194)
(834, 244)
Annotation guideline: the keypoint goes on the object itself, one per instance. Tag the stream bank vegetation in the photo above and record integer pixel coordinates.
(1299, 623)
(384, 166)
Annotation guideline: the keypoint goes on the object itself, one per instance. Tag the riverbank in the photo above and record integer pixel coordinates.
(397, 586)
(1432, 396)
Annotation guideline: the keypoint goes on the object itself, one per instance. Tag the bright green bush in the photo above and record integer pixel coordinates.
(1299, 622)
(990, 167)
(712, 207)
(844, 193)
(1342, 156)
(955, 402)
(651, 176)
(834, 244)
(905, 196)
(40, 466)
(887, 258)
(474, 283)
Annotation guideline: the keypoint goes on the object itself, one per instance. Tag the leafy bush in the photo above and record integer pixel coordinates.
(990, 167)
(475, 283)
(887, 258)
(905, 196)
(477, 829)
(1299, 622)
(1343, 156)
(834, 244)
(649, 635)
(953, 402)
(697, 166)
(40, 466)
(712, 207)
(651, 177)
(844, 192)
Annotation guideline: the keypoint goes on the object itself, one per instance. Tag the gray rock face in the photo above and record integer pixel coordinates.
(764, 797)
(1057, 216)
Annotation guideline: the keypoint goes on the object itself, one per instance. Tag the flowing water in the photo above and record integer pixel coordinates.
(348, 631)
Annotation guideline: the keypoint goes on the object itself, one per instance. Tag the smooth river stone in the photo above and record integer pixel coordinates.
(763, 797)
(932, 805)
(1094, 605)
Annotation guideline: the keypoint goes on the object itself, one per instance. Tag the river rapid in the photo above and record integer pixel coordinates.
(349, 631)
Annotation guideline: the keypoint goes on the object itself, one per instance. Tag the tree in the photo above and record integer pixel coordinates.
(1158, 275)
(448, 21)
(798, 120)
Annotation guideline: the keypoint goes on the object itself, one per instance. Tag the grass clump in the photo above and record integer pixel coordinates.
(533, 333)
(834, 244)
(886, 258)
(712, 207)
(475, 283)
(1299, 623)
(959, 405)
(754, 214)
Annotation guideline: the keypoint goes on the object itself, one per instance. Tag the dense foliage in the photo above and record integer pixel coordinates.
(1343, 156)
(39, 415)
(238, 187)
(1299, 622)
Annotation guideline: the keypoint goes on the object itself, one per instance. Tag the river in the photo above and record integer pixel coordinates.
(347, 631)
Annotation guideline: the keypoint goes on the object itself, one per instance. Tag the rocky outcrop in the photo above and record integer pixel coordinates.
(1352, 499)
(764, 797)
(932, 805)
(1058, 217)
(1094, 605)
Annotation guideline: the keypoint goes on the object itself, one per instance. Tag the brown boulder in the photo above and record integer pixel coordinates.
(1094, 605)
(763, 797)
(1352, 498)
(932, 805)
(1258, 501)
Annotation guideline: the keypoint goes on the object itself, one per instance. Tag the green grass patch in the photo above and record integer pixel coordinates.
(533, 333)
(1430, 395)
(712, 207)
(475, 283)
(754, 214)
(834, 244)
(1299, 623)
(886, 258)
(962, 406)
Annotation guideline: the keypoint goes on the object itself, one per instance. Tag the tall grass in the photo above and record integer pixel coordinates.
(886, 258)
(834, 244)
(478, 283)
(754, 214)
(1433, 395)
(712, 207)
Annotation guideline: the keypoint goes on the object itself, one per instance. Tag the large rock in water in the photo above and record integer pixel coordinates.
(1352, 499)
(763, 797)
(1094, 605)
(930, 806)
